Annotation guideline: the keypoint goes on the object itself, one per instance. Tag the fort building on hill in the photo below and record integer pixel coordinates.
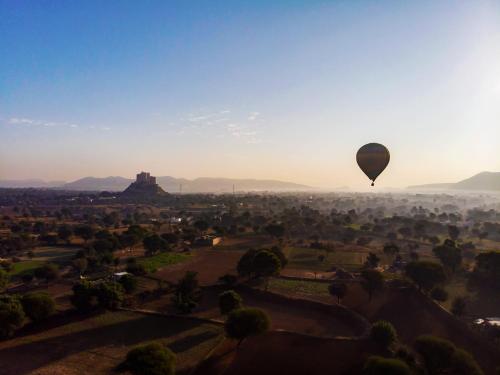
(145, 185)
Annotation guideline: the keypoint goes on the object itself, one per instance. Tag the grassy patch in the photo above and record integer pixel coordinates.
(152, 264)
(298, 287)
(25, 267)
(308, 259)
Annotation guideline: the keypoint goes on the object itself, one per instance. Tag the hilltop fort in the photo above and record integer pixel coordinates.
(144, 186)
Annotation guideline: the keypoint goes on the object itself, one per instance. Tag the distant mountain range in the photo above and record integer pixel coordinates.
(169, 184)
(482, 181)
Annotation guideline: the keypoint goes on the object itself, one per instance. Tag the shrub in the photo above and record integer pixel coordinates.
(150, 359)
(83, 297)
(439, 294)
(109, 295)
(229, 301)
(385, 366)
(246, 322)
(38, 306)
(383, 333)
(458, 306)
(11, 315)
(436, 353)
(48, 272)
(129, 283)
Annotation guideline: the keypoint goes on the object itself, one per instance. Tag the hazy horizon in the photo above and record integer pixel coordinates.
(285, 91)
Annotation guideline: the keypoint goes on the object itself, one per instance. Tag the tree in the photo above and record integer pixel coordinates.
(11, 315)
(4, 279)
(391, 249)
(65, 232)
(488, 268)
(150, 359)
(154, 243)
(80, 265)
(453, 232)
(129, 283)
(245, 264)
(383, 333)
(458, 306)
(49, 272)
(275, 230)
(376, 365)
(372, 281)
(109, 294)
(440, 356)
(246, 322)
(281, 256)
(38, 306)
(187, 292)
(439, 294)
(449, 254)
(136, 269)
(83, 298)
(229, 301)
(372, 260)
(201, 225)
(85, 232)
(426, 275)
(266, 264)
(338, 289)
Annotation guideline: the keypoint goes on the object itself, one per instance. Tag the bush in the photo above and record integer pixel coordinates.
(109, 295)
(385, 366)
(246, 322)
(229, 301)
(458, 306)
(383, 333)
(150, 359)
(129, 283)
(38, 306)
(83, 297)
(48, 272)
(11, 315)
(436, 353)
(439, 294)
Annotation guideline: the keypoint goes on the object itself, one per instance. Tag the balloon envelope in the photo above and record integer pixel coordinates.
(372, 158)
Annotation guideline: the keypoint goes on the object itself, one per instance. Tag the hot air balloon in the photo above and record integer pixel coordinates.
(372, 158)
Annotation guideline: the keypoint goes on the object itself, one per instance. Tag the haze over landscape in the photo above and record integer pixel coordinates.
(287, 91)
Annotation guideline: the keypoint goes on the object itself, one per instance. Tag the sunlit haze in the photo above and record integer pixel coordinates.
(245, 89)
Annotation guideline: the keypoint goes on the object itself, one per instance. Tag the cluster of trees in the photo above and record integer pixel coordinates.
(107, 294)
(14, 309)
(261, 263)
(431, 355)
(187, 293)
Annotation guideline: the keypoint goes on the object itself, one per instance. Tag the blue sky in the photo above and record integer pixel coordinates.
(285, 89)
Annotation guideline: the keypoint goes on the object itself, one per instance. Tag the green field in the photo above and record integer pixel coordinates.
(307, 259)
(298, 287)
(96, 345)
(155, 262)
(24, 267)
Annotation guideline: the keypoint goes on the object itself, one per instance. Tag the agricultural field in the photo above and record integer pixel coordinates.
(156, 262)
(312, 259)
(99, 343)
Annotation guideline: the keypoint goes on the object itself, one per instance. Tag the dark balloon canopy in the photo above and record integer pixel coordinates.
(372, 158)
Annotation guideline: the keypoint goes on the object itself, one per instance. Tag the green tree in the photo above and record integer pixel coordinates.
(439, 294)
(38, 306)
(440, 356)
(383, 333)
(246, 322)
(85, 232)
(149, 359)
(372, 260)
(4, 279)
(449, 254)
(229, 301)
(109, 294)
(11, 315)
(245, 264)
(376, 365)
(338, 289)
(49, 272)
(187, 292)
(84, 297)
(64, 232)
(426, 275)
(129, 283)
(154, 244)
(266, 264)
(372, 281)
(458, 306)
